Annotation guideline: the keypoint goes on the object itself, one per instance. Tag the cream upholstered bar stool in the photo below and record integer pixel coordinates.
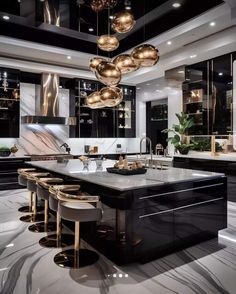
(42, 190)
(59, 239)
(22, 181)
(32, 187)
(77, 207)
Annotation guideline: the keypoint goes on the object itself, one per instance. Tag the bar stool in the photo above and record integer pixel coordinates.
(59, 239)
(76, 208)
(22, 181)
(43, 184)
(32, 187)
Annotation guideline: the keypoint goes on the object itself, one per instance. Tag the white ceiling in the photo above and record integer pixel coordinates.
(195, 37)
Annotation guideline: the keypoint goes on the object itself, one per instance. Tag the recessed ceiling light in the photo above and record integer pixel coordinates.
(91, 29)
(169, 43)
(111, 16)
(148, 84)
(6, 17)
(220, 74)
(128, 7)
(181, 71)
(60, 87)
(138, 88)
(193, 56)
(68, 57)
(176, 5)
(212, 24)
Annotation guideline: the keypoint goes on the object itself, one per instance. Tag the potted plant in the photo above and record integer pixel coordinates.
(180, 131)
(4, 151)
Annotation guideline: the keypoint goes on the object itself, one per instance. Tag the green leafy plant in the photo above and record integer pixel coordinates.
(180, 131)
(205, 145)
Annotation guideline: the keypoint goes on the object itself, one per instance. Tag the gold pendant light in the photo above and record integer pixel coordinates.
(108, 74)
(123, 22)
(97, 5)
(145, 55)
(111, 96)
(94, 62)
(108, 43)
(94, 100)
(109, 3)
(125, 63)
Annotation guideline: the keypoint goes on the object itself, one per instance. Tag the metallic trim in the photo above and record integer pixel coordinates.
(181, 207)
(180, 191)
(33, 119)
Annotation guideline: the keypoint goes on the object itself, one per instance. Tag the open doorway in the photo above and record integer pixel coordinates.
(156, 121)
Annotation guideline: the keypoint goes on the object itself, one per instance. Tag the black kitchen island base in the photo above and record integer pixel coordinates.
(148, 216)
(160, 220)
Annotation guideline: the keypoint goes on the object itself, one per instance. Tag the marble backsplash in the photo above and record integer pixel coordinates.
(45, 139)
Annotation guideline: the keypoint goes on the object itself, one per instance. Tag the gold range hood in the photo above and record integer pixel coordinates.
(47, 105)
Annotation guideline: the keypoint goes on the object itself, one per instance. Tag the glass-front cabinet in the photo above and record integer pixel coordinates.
(208, 95)
(9, 103)
(107, 122)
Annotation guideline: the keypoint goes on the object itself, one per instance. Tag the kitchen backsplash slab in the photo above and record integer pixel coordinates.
(45, 139)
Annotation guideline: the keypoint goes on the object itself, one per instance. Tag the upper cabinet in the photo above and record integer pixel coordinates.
(208, 95)
(105, 122)
(9, 103)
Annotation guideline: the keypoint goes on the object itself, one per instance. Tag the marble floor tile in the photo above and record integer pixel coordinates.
(27, 268)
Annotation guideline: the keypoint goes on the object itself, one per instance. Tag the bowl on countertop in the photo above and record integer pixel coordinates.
(5, 153)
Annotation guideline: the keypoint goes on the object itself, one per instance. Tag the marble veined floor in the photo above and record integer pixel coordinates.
(27, 268)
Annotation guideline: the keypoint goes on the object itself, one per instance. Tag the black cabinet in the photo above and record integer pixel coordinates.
(198, 220)
(208, 95)
(220, 166)
(9, 103)
(105, 122)
(8, 172)
(157, 121)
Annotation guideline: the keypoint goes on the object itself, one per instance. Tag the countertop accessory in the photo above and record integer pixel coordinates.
(126, 172)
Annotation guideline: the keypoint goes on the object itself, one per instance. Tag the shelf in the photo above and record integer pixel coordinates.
(194, 113)
(9, 88)
(193, 102)
(82, 89)
(159, 119)
(193, 82)
(10, 99)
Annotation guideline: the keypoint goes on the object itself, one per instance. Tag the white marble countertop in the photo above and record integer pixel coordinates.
(148, 156)
(207, 155)
(10, 157)
(74, 168)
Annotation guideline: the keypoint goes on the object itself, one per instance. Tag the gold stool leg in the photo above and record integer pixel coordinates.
(77, 244)
(76, 258)
(45, 226)
(32, 218)
(27, 209)
(34, 203)
(57, 240)
(46, 216)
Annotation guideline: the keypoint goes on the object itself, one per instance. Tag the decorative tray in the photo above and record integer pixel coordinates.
(126, 172)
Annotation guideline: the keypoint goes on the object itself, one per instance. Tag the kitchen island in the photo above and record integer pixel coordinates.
(149, 215)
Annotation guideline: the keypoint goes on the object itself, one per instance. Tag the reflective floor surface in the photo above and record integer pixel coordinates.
(28, 268)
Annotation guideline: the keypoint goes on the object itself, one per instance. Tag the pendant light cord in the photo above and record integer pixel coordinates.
(97, 32)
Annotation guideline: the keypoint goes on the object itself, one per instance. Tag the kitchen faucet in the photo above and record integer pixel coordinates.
(66, 146)
(150, 146)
